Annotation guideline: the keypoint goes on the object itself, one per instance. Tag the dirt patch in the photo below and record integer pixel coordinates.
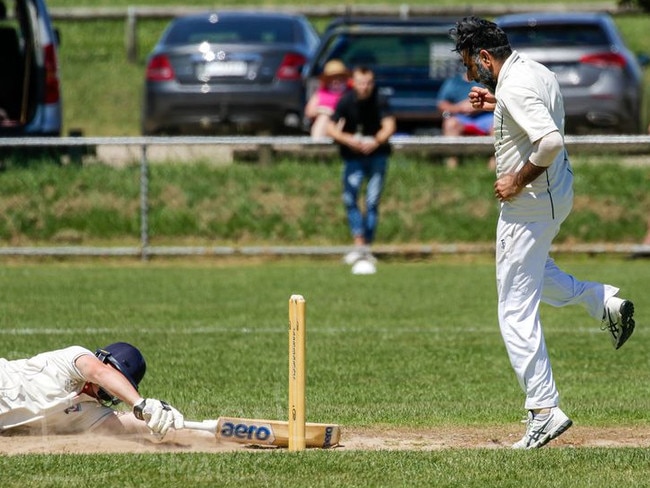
(351, 439)
(488, 438)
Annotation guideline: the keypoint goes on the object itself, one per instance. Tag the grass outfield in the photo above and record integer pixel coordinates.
(415, 347)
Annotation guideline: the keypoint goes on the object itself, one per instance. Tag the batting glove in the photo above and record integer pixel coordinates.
(158, 415)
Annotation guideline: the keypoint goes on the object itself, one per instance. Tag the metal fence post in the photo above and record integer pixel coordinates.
(144, 204)
(131, 35)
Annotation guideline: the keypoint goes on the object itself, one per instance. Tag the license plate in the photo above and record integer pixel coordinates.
(225, 68)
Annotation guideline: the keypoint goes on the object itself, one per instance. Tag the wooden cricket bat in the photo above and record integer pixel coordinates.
(266, 432)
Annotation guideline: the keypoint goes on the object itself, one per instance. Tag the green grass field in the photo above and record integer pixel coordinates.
(414, 347)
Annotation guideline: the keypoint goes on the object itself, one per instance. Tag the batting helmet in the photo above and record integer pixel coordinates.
(128, 360)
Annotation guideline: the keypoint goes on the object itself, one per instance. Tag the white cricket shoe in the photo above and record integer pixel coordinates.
(542, 428)
(354, 256)
(358, 254)
(618, 320)
(364, 267)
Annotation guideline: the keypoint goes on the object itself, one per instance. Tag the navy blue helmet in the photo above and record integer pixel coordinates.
(128, 360)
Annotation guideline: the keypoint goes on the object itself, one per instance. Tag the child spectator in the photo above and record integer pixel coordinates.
(334, 81)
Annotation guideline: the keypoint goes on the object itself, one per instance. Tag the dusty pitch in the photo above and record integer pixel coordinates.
(351, 439)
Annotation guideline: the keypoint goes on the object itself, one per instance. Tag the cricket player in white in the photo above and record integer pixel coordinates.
(535, 187)
(72, 390)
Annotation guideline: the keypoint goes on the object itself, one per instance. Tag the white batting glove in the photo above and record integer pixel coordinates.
(158, 415)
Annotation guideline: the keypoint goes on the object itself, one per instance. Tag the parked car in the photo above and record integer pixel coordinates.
(411, 59)
(219, 72)
(600, 78)
(30, 95)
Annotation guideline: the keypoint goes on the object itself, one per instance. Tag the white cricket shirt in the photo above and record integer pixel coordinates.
(44, 391)
(530, 106)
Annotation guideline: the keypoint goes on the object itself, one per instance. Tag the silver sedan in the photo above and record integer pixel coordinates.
(228, 72)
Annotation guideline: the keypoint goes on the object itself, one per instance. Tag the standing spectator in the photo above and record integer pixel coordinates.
(459, 118)
(535, 189)
(362, 125)
(321, 105)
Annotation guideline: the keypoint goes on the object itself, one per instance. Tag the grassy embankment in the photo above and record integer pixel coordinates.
(291, 203)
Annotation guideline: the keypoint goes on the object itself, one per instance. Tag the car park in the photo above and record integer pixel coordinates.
(411, 59)
(600, 78)
(228, 72)
(30, 94)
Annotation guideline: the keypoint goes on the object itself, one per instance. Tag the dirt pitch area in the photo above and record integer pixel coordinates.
(351, 439)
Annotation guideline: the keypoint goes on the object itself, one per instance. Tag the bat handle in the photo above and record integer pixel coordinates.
(206, 425)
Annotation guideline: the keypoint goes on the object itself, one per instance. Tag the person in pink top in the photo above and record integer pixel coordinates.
(334, 81)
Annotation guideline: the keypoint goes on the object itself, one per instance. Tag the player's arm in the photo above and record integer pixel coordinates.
(544, 153)
(96, 372)
(157, 415)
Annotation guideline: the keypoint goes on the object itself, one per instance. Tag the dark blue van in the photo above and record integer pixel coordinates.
(411, 58)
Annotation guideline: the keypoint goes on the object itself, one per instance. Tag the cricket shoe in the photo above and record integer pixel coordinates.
(364, 267)
(618, 320)
(354, 256)
(359, 254)
(542, 428)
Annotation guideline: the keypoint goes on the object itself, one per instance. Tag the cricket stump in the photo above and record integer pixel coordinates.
(296, 373)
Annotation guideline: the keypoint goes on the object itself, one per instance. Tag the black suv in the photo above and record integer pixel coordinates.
(411, 59)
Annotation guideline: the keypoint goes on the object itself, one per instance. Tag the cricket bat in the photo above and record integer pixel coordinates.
(266, 432)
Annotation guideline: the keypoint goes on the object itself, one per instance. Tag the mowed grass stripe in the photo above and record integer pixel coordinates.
(273, 331)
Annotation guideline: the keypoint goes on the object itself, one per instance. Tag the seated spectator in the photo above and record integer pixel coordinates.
(459, 118)
(334, 81)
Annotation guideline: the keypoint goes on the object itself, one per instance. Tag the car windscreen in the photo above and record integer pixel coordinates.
(430, 54)
(556, 35)
(225, 30)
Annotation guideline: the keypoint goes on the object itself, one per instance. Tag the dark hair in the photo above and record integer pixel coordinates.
(363, 69)
(473, 34)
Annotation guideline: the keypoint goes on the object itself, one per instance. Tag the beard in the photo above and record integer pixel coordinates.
(485, 77)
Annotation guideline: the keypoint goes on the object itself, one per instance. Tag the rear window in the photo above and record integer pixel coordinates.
(556, 35)
(432, 54)
(239, 31)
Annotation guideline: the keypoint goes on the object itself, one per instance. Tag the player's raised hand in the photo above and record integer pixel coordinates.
(482, 99)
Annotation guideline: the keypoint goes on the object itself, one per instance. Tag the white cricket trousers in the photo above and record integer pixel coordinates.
(526, 275)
